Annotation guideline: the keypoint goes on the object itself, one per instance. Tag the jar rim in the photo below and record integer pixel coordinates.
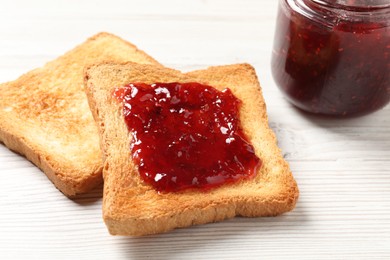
(331, 15)
(355, 5)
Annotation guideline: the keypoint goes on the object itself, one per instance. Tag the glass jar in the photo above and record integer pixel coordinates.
(332, 57)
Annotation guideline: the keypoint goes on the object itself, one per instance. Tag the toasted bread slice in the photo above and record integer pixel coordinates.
(44, 114)
(131, 207)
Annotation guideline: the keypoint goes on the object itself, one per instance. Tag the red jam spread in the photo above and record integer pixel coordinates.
(333, 59)
(186, 135)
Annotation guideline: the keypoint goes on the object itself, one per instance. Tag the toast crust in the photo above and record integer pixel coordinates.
(131, 207)
(44, 114)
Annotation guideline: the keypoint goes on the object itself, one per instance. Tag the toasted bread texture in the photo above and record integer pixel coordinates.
(131, 207)
(44, 114)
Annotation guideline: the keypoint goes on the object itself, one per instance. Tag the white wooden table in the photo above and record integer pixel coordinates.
(342, 166)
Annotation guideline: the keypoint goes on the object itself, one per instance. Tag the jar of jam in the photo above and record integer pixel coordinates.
(332, 57)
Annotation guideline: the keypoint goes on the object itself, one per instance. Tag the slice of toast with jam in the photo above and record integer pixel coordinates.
(44, 114)
(143, 147)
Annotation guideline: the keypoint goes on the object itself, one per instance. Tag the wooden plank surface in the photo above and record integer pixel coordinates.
(341, 166)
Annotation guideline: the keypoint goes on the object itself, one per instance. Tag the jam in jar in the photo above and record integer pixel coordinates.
(332, 57)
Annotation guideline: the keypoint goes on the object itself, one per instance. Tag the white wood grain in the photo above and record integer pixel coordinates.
(342, 166)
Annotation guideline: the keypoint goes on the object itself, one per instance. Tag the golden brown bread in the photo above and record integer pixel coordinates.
(131, 207)
(44, 114)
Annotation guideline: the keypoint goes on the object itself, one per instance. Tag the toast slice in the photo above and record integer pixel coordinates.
(131, 207)
(44, 114)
